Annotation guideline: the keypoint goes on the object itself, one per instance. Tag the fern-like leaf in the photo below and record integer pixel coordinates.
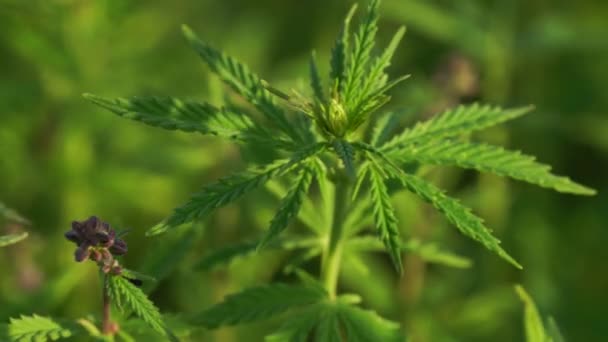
(338, 61)
(316, 84)
(124, 293)
(231, 188)
(242, 80)
(290, 206)
(364, 325)
(345, 151)
(376, 78)
(258, 303)
(10, 239)
(533, 323)
(189, 116)
(384, 215)
(453, 122)
(459, 215)
(361, 53)
(492, 159)
(36, 328)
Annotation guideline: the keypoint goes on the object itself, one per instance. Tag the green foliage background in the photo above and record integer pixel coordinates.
(63, 159)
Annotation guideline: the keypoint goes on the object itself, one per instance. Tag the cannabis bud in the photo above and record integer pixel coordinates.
(98, 242)
(336, 118)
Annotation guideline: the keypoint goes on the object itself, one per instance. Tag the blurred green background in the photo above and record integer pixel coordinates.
(63, 159)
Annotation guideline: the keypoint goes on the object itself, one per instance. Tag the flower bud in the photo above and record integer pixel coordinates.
(95, 255)
(337, 120)
(82, 253)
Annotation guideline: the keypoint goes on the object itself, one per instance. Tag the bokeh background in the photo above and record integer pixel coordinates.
(63, 159)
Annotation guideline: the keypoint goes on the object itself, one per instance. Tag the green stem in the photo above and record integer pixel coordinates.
(330, 262)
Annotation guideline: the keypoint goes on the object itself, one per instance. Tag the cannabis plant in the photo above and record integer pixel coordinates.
(337, 162)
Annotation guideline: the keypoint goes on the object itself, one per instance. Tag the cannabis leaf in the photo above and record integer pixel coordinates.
(10, 239)
(489, 158)
(232, 188)
(189, 116)
(125, 294)
(297, 330)
(243, 81)
(259, 303)
(290, 206)
(37, 328)
(384, 214)
(12, 215)
(454, 122)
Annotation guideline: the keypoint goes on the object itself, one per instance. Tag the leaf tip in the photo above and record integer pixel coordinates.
(157, 229)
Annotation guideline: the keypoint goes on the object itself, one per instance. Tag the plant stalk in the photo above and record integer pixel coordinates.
(107, 325)
(331, 259)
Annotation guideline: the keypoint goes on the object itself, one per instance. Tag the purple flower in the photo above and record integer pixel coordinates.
(95, 240)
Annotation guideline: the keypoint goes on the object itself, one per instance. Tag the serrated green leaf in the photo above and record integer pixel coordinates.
(338, 61)
(36, 329)
(361, 53)
(188, 116)
(258, 303)
(308, 213)
(345, 151)
(242, 80)
(315, 79)
(10, 239)
(384, 215)
(459, 215)
(376, 78)
(453, 122)
(364, 325)
(382, 128)
(290, 206)
(231, 188)
(124, 293)
(489, 158)
(462, 217)
(533, 323)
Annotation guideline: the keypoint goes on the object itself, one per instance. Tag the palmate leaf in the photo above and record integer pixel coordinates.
(315, 79)
(290, 205)
(37, 328)
(231, 188)
(125, 294)
(533, 323)
(376, 78)
(259, 303)
(467, 223)
(459, 215)
(453, 122)
(242, 80)
(384, 214)
(6, 240)
(189, 116)
(489, 158)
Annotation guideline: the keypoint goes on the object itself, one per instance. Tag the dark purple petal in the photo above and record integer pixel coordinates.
(119, 247)
(82, 253)
(72, 236)
(95, 255)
